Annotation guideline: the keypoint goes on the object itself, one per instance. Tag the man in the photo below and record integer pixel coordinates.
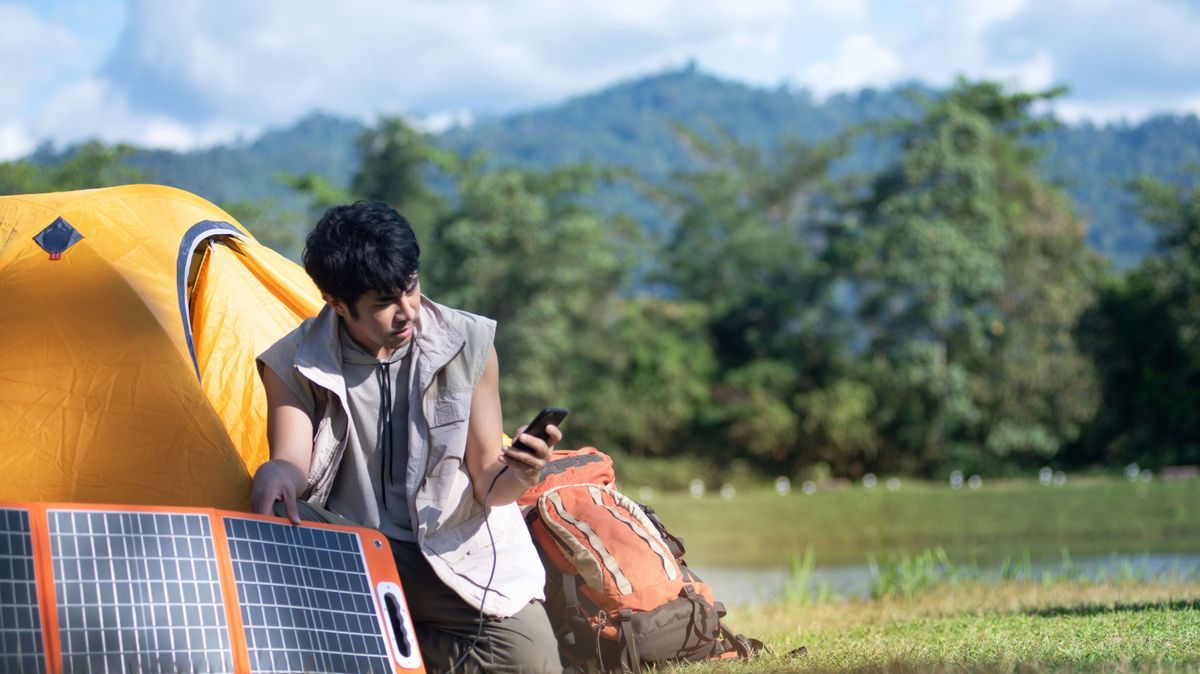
(385, 409)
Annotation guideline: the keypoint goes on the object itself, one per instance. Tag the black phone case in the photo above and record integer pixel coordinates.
(537, 427)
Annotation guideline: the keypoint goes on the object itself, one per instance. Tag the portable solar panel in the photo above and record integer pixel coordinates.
(20, 615)
(130, 589)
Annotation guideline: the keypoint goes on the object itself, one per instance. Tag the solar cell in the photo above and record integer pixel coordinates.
(137, 592)
(21, 648)
(306, 599)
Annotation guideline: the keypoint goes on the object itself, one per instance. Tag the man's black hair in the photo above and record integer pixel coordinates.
(360, 247)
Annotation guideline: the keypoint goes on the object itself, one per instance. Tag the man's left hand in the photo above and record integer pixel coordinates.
(528, 465)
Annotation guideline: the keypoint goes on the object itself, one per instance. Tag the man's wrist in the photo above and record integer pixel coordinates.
(289, 471)
(526, 479)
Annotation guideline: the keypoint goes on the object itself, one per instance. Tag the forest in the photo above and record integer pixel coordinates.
(794, 313)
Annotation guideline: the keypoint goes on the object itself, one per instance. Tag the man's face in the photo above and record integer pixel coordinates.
(384, 322)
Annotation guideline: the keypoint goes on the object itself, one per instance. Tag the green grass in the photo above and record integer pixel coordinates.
(1092, 516)
(955, 585)
(971, 627)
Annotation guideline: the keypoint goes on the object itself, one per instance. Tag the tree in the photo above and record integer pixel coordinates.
(272, 225)
(518, 246)
(322, 194)
(749, 244)
(971, 273)
(515, 246)
(643, 377)
(1144, 332)
(398, 165)
(89, 165)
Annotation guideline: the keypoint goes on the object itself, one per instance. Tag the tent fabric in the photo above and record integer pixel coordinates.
(127, 364)
(238, 291)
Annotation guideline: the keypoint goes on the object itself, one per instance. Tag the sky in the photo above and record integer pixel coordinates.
(185, 74)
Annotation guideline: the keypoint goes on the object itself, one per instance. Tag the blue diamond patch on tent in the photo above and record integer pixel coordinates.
(57, 237)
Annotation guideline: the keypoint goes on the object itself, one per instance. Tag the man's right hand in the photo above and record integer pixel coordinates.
(276, 481)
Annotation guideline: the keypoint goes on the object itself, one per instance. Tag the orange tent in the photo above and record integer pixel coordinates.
(129, 321)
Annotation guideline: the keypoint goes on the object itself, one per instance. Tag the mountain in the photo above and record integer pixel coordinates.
(319, 143)
(1094, 164)
(633, 124)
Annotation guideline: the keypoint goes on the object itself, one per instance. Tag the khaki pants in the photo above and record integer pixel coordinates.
(446, 625)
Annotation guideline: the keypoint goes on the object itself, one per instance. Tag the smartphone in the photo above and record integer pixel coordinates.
(537, 427)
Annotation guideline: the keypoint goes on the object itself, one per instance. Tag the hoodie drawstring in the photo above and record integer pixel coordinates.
(385, 427)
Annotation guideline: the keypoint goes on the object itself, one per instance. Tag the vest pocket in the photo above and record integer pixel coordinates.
(329, 440)
(325, 445)
(448, 408)
(446, 418)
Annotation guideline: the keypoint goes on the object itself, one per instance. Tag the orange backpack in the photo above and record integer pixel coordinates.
(618, 592)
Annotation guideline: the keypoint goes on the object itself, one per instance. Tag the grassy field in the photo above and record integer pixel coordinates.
(925, 619)
(974, 627)
(1087, 516)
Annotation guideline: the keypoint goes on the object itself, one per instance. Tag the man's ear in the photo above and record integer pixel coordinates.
(339, 307)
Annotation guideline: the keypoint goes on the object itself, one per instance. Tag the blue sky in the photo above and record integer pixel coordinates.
(191, 73)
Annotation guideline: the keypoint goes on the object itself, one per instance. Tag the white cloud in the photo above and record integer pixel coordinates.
(92, 109)
(192, 72)
(978, 15)
(1127, 111)
(1074, 112)
(268, 63)
(32, 52)
(1037, 72)
(442, 121)
(260, 63)
(860, 61)
(951, 40)
(1122, 59)
(843, 9)
(15, 141)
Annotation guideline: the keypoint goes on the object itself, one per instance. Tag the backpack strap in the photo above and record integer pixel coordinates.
(674, 543)
(701, 608)
(574, 613)
(744, 647)
(688, 575)
(570, 592)
(630, 660)
(726, 644)
(599, 652)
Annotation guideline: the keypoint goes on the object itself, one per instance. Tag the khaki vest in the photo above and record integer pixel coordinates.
(449, 352)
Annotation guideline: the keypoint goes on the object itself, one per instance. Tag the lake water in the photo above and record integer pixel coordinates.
(751, 585)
